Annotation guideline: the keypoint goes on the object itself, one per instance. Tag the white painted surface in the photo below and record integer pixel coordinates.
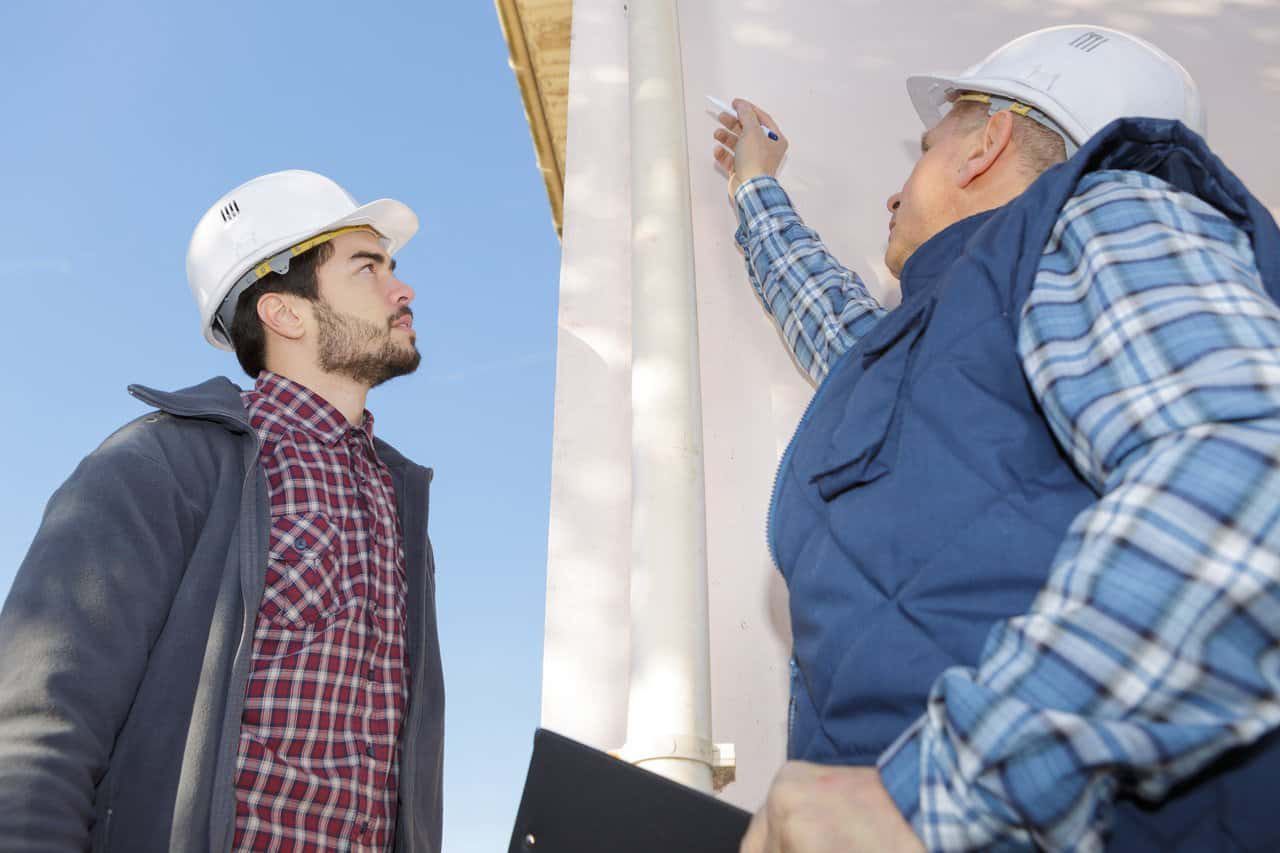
(586, 652)
(832, 75)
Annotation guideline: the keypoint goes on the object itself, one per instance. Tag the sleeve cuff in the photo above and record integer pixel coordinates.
(899, 768)
(759, 200)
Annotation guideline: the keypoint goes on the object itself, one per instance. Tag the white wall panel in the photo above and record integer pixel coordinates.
(832, 74)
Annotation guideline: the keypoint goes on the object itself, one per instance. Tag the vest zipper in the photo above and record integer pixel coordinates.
(769, 520)
(180, 411)
(786, 457)
(813, 401)
(791, 706)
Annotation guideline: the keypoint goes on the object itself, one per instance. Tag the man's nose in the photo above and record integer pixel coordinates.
(894, 201)
(401, 294)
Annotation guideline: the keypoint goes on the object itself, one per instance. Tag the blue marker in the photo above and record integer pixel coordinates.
(725, 108)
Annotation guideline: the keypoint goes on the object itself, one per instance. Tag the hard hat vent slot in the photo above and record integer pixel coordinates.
(230, 211)
(1089, 42)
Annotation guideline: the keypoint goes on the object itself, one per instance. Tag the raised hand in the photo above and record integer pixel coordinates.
(750, 145)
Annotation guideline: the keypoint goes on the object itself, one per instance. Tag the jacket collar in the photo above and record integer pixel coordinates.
(216, 399)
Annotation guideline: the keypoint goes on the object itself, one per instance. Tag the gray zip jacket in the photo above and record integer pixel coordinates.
(126, 639)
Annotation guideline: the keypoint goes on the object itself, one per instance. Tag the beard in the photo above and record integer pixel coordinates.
(344, 345)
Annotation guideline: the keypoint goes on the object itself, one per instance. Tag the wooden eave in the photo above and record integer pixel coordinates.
(537, 34)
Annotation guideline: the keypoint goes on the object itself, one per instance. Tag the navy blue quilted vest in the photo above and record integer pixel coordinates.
(923, 496)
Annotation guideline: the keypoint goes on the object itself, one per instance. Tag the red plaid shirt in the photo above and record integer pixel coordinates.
(317, 767)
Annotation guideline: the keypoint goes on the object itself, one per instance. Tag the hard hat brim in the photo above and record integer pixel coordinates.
(390, 218)
(931, 96)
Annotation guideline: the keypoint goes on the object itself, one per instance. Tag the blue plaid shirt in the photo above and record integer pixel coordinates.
(1155, 644)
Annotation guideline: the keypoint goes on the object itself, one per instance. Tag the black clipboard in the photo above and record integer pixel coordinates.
(581, 800)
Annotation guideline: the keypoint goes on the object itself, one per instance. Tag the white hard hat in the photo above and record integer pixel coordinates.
(1081, 78)
(260, 222)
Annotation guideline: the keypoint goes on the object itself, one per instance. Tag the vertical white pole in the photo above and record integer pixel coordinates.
(669, 707)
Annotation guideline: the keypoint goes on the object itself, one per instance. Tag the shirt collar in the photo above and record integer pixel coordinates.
(292, 404)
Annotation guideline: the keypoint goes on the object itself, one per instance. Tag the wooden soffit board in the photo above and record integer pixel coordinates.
(537, 34)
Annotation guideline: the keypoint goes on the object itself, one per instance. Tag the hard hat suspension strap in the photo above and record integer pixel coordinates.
(996, 103)
(278, 264)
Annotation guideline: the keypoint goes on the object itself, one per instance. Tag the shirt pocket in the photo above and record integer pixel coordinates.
(864, 443)
(302, 579)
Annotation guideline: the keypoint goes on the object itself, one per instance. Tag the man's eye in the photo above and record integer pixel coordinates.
(369, 267)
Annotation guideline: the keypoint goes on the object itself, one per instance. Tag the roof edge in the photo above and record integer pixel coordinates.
(534, 108)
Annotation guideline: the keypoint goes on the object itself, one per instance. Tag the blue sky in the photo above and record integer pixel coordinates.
(125, 121)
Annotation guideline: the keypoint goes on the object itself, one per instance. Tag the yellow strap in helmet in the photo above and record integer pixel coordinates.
(999, 102)
(277, 263)
(264, 268)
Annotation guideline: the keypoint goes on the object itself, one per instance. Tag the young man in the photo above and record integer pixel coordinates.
(224, 635)
(1028, 522)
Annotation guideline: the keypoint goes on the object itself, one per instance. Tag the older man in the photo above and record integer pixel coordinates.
(224, 636)
(1028, 522)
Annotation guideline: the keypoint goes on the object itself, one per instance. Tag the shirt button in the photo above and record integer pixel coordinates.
(369, 750)
(364, 828)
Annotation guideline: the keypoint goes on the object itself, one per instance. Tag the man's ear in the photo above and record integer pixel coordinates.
(986, 148)
(281, 313)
